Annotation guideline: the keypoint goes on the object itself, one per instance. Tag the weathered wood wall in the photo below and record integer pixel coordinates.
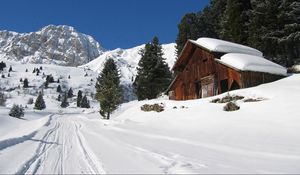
(201, 76)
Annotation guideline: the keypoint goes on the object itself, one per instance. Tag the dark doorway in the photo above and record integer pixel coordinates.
(224, 85)
(235, 86)
(198, 89)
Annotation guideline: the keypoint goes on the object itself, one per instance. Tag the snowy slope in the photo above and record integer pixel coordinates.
(195, 137)
(60, 44)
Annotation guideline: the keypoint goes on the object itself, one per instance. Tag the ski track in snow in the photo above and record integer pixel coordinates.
(64, 145)
(56, 148)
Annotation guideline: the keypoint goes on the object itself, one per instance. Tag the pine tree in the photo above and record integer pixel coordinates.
(50, 79)
(58, 89)
(85, 102)
(58, 97)
(10, 69)
(39, 102)
(64, 102)
(289, 39)
(153, 76)
(25, 83)
(236, 21)
(46, 84)
(58, 80)
(2, 65)
(16, 111)
(79, 98)
(2, 99)
(108, 89)
(70, 93)
(26, 70)
(188, 29)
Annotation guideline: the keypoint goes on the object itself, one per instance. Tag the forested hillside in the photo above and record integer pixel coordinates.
(272, 26)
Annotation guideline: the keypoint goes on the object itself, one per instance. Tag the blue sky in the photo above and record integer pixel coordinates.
(114, 23)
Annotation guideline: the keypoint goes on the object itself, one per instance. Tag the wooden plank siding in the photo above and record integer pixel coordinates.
(200, 75)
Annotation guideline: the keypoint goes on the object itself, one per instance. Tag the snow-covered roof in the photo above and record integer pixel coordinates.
(217, 45)
(246, 62)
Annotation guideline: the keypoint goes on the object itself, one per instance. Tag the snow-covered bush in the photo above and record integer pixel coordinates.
(16, 111)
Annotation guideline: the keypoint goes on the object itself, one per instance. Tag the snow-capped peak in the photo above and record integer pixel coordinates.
(59, 44)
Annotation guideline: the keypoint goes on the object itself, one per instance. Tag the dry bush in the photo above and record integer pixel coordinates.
(231, 106)
(155, 107)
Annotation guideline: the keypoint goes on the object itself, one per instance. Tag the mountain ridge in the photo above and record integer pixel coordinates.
(52, 44)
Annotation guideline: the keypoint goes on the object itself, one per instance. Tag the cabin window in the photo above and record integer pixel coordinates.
(205, 60)
(224, 85)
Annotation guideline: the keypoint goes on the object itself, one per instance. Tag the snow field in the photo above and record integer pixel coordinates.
(195, 137)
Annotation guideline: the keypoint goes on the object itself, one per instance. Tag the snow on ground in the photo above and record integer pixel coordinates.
(217, 45)
(195, 137)
(252, 63)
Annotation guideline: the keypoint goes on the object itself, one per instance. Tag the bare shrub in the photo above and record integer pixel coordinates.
(155, 107)
(231, 106)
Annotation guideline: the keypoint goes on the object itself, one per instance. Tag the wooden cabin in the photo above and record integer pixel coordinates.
(208, 67)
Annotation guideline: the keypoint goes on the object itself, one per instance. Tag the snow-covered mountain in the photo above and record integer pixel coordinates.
(128, 59)
(52, 44)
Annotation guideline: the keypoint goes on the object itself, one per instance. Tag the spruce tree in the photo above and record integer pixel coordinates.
(188, 29)
(39, 102)
(2, 99)
(289, 39)
(79, 98)
(85, 102)
(25, 83)
(235, 21)
(10, 69)
(16, 111)
(70, 93)
(64, 102)
(58, 89)
(108, 89)
(58, 97)
(153, 73)
(2, 65)
(46, 84)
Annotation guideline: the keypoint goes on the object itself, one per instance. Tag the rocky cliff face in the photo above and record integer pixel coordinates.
(52, 44)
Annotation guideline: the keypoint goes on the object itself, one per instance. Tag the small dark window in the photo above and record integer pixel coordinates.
(204, 60)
